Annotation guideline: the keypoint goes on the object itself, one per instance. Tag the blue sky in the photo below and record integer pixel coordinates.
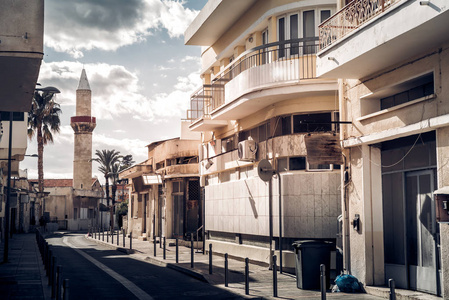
(140, 72)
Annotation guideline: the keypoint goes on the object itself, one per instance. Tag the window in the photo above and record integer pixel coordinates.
(83, 213)
(291, 163)
(417, 89)
(259, 134)
(281, 36)
(294, 33)
(312, 122)
(177, 187)
(16, 116)
(324, 15)
(309, 30)
(90, 213)
(298, 163)
(283, 126)
(228, 144)
(319, 167)
(75, 213)
(423, 87)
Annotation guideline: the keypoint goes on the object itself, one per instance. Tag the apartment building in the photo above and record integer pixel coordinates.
(392, 58)
(261, 100)
(164, 190)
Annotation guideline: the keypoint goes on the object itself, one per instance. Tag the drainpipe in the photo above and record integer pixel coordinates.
(280, 222)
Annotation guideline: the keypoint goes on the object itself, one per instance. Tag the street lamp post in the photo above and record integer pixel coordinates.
(8, 193)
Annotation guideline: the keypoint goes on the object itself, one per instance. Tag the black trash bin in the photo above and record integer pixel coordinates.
(310, 254)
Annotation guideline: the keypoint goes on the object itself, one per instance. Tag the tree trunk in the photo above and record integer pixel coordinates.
(40, 167)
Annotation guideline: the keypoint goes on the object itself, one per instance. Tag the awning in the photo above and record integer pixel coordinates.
(152, 179)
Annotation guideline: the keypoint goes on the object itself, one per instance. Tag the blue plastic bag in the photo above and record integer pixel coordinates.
(348, 284)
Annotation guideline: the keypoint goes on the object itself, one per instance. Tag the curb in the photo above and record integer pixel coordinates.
(118, 248)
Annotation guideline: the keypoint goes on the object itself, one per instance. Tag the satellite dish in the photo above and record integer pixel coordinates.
(265, 170)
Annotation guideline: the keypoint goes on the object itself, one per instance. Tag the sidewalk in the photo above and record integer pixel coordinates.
(261, 278)
(23, 276)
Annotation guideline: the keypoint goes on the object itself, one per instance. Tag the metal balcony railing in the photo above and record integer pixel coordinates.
(291, 60)
(349, 18)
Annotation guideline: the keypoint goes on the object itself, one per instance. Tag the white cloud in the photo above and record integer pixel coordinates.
(77, 26)
(117, 92)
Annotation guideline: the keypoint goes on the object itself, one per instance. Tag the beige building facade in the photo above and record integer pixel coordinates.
(261, 100)
(392, 59)
(164, 191)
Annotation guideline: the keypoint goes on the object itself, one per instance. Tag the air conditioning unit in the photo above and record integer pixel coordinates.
(247, 150)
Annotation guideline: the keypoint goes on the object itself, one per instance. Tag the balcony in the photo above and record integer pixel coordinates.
(365, 37)
(262, 70)
(21, 52)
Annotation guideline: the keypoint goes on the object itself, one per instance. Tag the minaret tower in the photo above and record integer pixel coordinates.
(83, 124)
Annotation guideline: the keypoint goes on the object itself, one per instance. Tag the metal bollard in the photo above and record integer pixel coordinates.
(53, 277)
(323, 281)
(164, 248)
(112, 235)
(154, 246)
(118, 237)
(107, 237)
(275, 277)
(210, 258)
(123, 233)
(177, 250)
(191, 250)
(95, 233)
(392, 286)
(65, 289)
(226, 270)
(130, 241)
(58, 282)
(102, 230)
(160, 242)
(246, 276)
(50, 261)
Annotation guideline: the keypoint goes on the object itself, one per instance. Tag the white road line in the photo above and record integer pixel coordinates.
(138, 292)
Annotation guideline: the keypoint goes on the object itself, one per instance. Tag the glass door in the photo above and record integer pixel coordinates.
(421, 232)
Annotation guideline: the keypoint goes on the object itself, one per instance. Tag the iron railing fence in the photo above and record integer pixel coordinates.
(349, 18)
(291, 60)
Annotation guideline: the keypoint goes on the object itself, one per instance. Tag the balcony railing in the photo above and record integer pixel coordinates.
(349, 18)
(277, 62)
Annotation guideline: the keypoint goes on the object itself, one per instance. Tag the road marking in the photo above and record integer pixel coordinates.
(138, 292)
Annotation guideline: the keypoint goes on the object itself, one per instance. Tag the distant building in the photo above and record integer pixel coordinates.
(68, 207)
(165, 197)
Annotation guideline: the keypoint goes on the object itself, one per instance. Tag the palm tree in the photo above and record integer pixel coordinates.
(125, 162)
(107, 159)
(43, 121)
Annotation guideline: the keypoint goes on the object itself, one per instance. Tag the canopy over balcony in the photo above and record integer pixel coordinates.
(21, 52)
(366, 37)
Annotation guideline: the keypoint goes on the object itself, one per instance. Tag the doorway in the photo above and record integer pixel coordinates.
(410, 230)
(421, 231)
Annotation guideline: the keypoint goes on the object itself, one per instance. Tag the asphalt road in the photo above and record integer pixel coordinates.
(97, 272)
